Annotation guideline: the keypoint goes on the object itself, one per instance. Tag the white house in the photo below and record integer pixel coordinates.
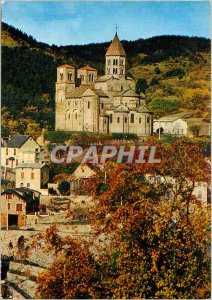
(21, 149)
(32, 175)
(181, 124)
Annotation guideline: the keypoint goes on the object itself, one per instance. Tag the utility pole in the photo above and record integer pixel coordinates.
(159, 129)
(7, 215)
(5, 177)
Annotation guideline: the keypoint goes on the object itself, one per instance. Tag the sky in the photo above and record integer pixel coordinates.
(83, 22)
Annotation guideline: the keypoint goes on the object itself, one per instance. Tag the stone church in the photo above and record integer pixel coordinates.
(105, 104)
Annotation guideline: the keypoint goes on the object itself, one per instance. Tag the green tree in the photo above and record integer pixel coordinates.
(154, 81)
(33, 129)
(64, 187)
(141, 85)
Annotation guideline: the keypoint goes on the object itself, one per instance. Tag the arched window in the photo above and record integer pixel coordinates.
(140, 120)
(121, 88)
(76, 116)
(102, 105)
(121, 71)
(111, 118)
(89, 105)
(69, 116)
(125, 119)
(108, 62)
(61, 76)
(114, 61)
(118, 120)
(114, 70)
(132, 118)
(147, 120)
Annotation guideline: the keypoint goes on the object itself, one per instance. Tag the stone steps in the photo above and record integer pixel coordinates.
(22, 277)
(24, 286)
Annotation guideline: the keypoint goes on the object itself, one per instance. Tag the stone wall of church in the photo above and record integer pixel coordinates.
(61, 104)
(90, 113)
(133, 122)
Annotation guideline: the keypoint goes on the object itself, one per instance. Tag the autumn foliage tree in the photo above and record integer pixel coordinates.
(151, 235)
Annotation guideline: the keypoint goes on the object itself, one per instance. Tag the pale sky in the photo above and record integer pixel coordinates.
(75, 22)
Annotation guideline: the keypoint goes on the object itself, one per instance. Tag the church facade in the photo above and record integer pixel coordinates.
(106, 104)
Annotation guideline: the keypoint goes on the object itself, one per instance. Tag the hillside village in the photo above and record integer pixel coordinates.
(115, 108)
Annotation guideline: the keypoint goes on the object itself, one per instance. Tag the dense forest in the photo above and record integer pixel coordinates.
(173, 72)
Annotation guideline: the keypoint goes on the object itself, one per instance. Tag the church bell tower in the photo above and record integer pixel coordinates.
(65, 84)
(115, 64)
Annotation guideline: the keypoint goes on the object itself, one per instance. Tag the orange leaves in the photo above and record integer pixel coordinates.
(152, 246)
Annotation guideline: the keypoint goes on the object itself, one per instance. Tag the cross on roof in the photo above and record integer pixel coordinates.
(116, 28)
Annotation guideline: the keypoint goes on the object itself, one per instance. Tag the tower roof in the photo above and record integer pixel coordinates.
(88, 68)
(116, 47)
(66, 66)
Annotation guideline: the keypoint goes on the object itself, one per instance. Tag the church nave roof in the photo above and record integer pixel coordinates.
(79, 91)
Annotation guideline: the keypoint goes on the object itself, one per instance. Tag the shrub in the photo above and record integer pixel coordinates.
(57, 136)
(64, 187)
(121, 136)
(157, 70)
(154, 81)
(175, 72)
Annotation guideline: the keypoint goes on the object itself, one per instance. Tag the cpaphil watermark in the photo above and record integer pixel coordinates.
(131, 154)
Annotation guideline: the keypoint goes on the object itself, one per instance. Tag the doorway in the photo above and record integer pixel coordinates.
(12, 220)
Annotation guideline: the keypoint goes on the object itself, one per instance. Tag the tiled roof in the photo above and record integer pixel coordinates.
(121, 108)
(26, 190)
(143, 108)
(17, 141)
(22, 192)
(104, 78)
(130, 93)
(116, 47)
(31, 165)
(66, 66)
(78, 92)
(88, 68)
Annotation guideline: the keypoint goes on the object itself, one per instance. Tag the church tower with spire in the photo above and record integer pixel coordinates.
(115, 64)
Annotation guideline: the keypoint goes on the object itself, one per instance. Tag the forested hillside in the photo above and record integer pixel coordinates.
(173, 71)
